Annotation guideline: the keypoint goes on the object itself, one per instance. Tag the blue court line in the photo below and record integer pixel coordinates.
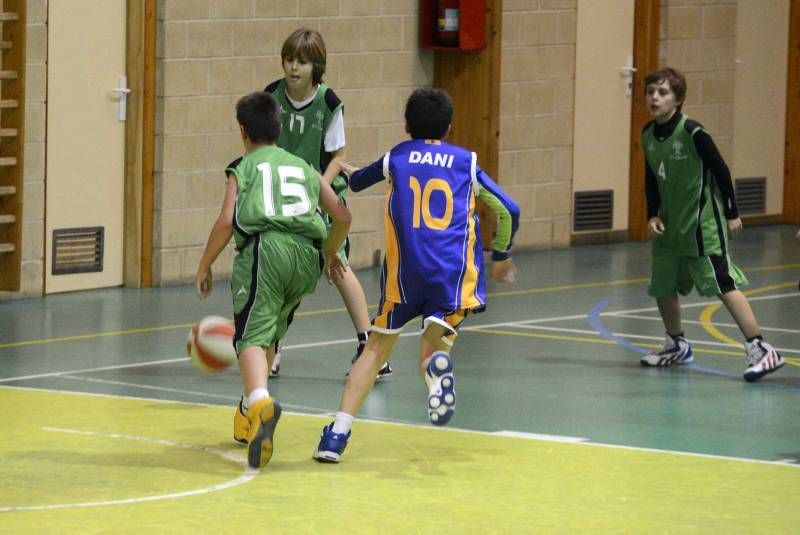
(593, 317)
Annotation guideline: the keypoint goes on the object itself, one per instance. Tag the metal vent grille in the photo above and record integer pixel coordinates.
(751, 195)
(594, 210)
(77, 250)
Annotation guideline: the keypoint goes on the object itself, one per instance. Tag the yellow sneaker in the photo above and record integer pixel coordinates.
(241, 425)
(263, 416)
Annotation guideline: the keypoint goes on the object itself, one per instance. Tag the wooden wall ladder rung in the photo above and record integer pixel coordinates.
(13, 18)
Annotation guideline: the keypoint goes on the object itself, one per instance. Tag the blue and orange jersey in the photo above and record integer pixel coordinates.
(433, 239)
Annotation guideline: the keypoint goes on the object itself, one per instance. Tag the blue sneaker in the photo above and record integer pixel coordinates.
(441, 388)
(331, 445)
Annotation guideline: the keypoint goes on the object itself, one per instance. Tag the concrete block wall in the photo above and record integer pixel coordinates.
(211, 52)
(536, 117)
(698, 37)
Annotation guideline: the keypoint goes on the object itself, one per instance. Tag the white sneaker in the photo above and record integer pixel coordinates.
(761, 360)
(276, 364)
(441, 388)
(675, 351)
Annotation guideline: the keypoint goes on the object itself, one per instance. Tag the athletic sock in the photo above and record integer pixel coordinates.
(256, 394)
(342, 423)
(675, 336)
(756, 337)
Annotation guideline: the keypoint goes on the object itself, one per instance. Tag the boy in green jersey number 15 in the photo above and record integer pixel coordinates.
(691, 209)
(270, 208)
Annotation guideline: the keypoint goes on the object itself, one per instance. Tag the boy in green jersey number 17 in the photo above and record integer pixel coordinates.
(270, 208)
(691, 209)
(313, 129)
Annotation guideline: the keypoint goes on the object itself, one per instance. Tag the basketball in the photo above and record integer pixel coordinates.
(210, 344)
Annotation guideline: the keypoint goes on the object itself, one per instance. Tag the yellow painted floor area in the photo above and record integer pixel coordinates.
(173, 467)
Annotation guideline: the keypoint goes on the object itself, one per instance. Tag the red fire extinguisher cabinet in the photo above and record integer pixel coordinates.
(471, 25)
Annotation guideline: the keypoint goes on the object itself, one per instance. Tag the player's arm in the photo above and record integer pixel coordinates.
(219, 237)
(334, 167)
(334, 141)
(712, 160)
(507, 212)
(365, 177)
(340, 218)
(654, 222)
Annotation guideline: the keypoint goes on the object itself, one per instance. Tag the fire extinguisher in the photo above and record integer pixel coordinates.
(447, 22)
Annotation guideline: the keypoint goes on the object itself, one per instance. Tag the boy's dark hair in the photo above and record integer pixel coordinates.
(676, 79)
(429, 112)
(260, 116)
(306, 45)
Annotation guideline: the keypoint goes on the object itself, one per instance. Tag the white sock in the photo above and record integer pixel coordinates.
(257, 394)
(342, 423)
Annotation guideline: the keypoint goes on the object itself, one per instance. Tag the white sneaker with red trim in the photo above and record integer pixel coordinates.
(761, 360)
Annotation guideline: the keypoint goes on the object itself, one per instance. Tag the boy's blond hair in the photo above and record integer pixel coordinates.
(306, 45)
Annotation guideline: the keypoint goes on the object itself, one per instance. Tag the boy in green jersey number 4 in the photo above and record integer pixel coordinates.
(691, 209)
(313, 129)
(270, 208)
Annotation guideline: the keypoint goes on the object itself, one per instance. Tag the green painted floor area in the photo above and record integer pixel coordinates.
(555, 354)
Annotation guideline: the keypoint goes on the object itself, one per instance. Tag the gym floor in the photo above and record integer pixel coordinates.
(107, 426)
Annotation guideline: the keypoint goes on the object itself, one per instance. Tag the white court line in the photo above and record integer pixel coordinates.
(179, 391)
(695, 322)
(148, 387)
(697, 305)
(295, 346)
(527, 436)
(643, 337)
(249, 473)
(539, 436)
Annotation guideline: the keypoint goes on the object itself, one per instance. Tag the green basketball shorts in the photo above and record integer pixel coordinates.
(271, 274)
(712, 275)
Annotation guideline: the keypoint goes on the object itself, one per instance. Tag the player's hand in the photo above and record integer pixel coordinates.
(334, 268)
(348, 168)
(204, 283)
(797, 236)
(656, 226)
(734, 227)
(504, 271)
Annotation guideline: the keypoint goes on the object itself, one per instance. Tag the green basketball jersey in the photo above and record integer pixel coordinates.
(276, 191)
(303, 130)
(690, 203)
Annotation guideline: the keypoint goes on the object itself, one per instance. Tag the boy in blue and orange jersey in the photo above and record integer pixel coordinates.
(434, 260)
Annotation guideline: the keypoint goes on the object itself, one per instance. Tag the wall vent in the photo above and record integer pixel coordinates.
(77, 250)
(594, 210)
(751, 195)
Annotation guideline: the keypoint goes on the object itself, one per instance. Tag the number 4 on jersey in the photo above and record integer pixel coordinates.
(661, 171)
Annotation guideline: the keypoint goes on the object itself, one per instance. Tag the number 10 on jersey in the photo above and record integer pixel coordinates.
(422, 203)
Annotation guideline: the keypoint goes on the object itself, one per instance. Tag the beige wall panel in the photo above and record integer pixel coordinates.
(602, 108)
(759, 105)
(85, 138)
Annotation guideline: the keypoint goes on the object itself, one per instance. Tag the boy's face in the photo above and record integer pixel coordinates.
(298, 73)
(661, 100)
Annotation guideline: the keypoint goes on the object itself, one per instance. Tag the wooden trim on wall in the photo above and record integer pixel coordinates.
(149, 141)
(131, 272)
(139, 144)
(646, 42)
(791, 168)
(473, 81)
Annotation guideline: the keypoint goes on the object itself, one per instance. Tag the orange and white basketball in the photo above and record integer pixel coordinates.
(210, 344)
